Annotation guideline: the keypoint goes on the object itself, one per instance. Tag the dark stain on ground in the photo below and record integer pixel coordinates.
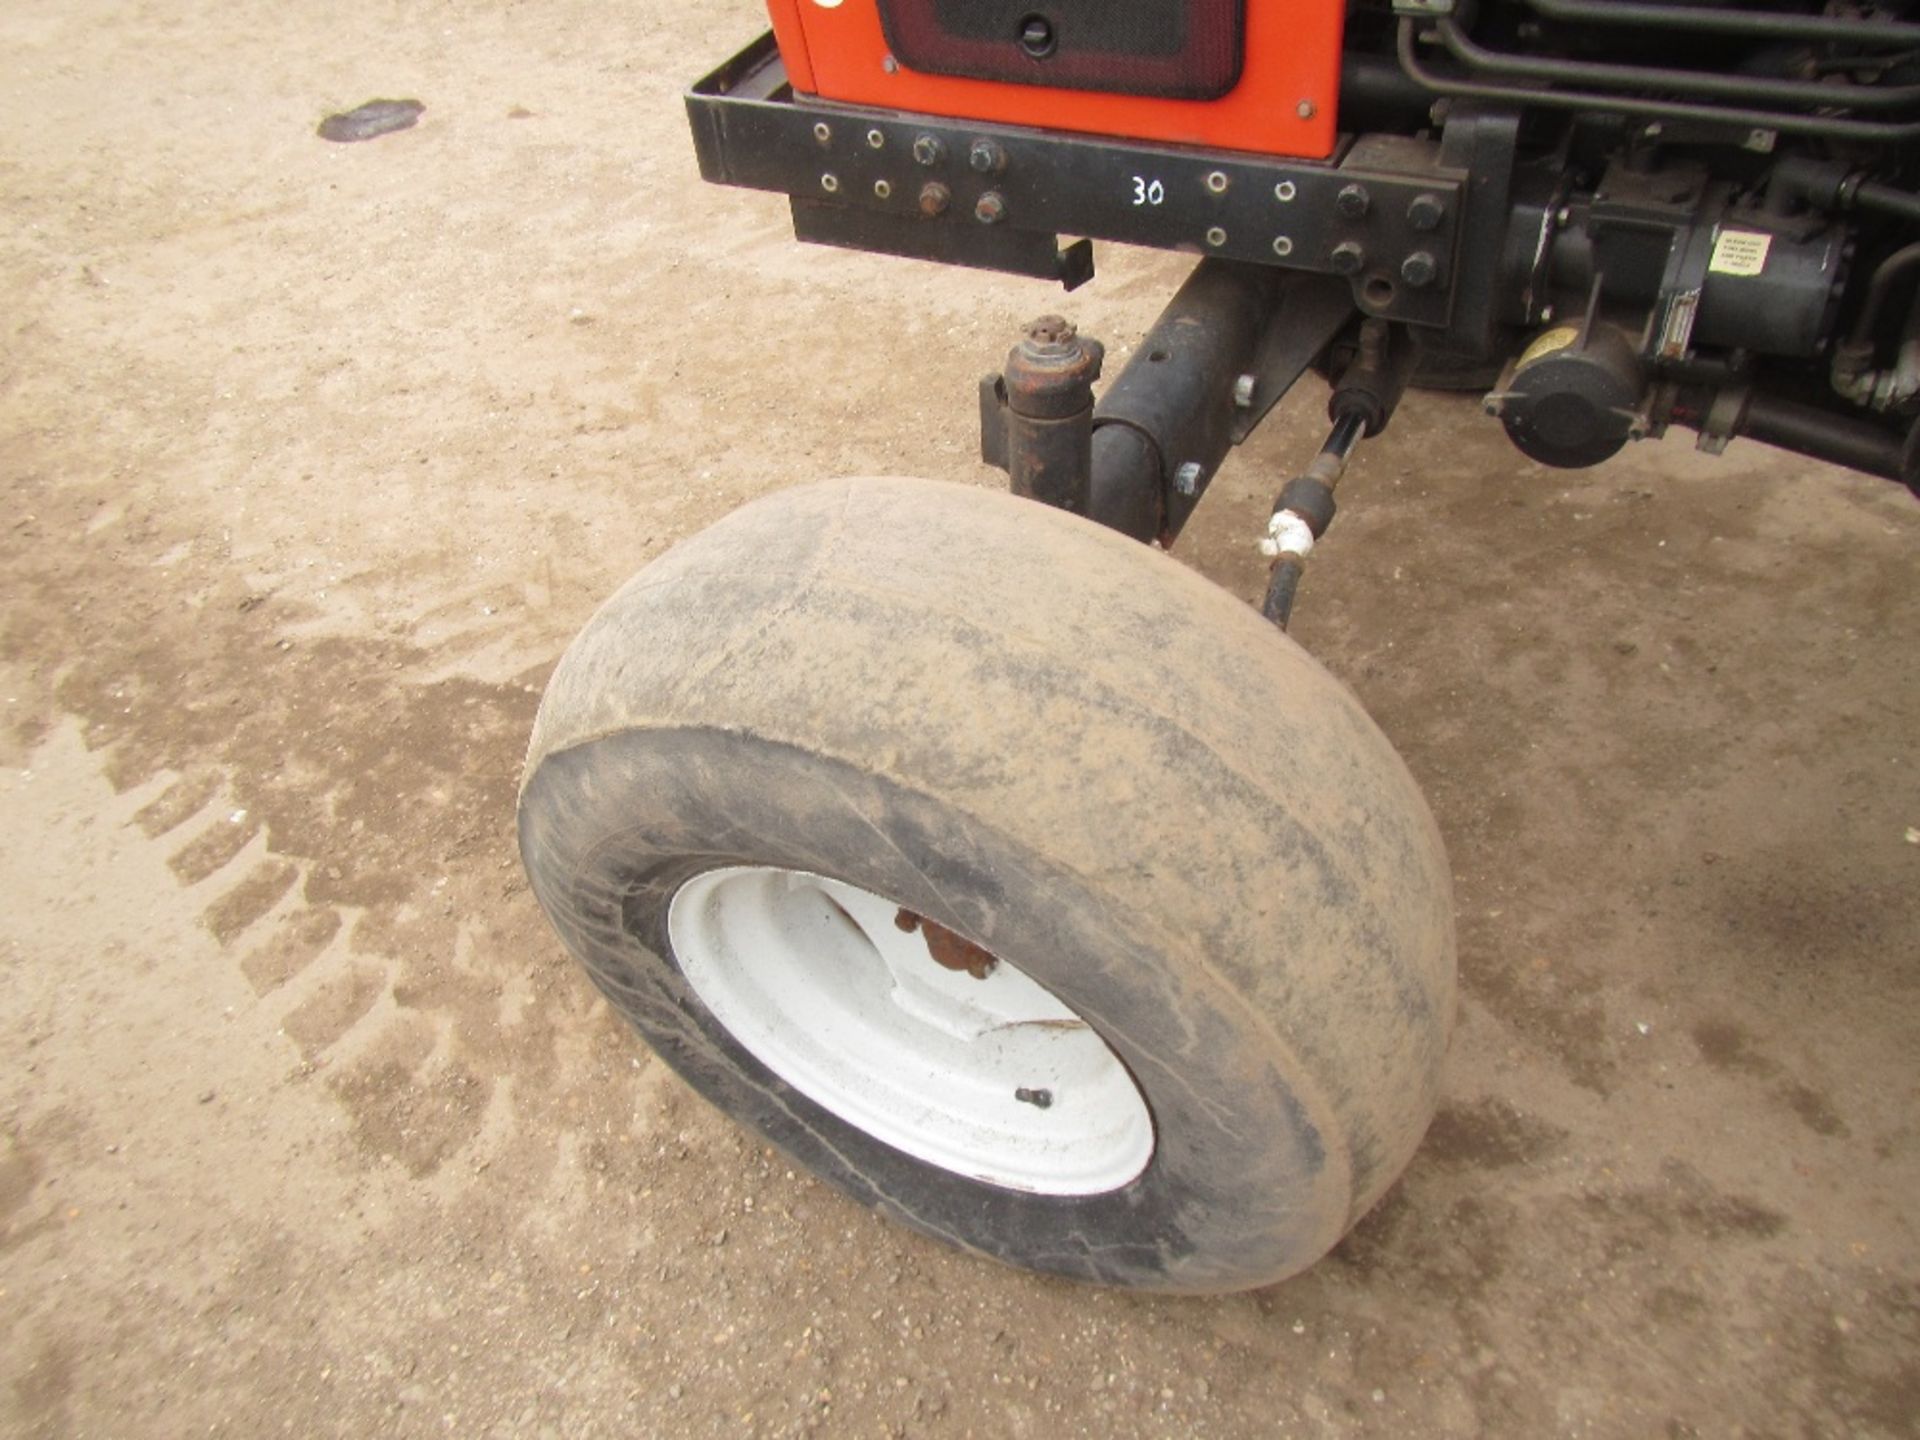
(237, 909)
(1727, 1047)
(443, 756)
(1860, 1344)
(1786, 915)
(1816, 1112)
(1453, 1253)
(177, 804)
(1671, 1305)
(1683, 1206)
(332, 1009)
(26, 1158)
(1554, 1006)
(371, 120)
(1490, 1134)
(213, 848)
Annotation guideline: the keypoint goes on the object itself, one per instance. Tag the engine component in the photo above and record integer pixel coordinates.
(1854, 374)
(1574, 396)
(1664, 239)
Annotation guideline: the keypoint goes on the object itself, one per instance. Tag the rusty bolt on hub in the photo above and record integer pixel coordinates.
(934, 199)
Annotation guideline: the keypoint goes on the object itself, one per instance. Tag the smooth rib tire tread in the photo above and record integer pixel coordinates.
(1066, 750)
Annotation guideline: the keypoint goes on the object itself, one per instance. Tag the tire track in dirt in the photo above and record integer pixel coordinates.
(344, 823)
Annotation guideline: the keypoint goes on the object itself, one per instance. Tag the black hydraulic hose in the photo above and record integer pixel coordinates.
(1830, 185)
(1827, 127)
(1683, 82)
(1282, 585)
(1734, 20)
(1872, 195)
(1826, 436)
(1885, 275)
(1321, 477)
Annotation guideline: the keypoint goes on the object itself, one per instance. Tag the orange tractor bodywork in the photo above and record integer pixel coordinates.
(1284, 101)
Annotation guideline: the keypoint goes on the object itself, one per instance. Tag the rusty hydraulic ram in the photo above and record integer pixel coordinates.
(1230, 343)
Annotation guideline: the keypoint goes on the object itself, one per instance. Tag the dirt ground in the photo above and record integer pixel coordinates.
(314, 458)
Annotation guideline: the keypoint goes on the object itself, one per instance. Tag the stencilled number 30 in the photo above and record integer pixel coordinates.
(1148, 192)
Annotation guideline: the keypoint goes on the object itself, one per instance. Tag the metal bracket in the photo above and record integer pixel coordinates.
(1311, 312)
(1014, 252)
(1386, 221)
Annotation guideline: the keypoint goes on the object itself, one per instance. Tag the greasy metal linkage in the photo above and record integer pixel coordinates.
(1301, 516)
(1363, 401)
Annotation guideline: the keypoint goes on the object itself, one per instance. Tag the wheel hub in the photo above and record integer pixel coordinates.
(910, 1032)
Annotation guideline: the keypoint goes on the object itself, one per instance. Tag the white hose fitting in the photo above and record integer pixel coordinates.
(1287, 534)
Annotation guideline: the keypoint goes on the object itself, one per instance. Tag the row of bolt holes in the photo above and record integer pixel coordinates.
(1379, 291)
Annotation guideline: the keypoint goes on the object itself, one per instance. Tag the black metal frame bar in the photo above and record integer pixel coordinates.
(1384, 218)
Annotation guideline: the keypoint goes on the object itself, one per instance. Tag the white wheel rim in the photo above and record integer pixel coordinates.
(992, 1078)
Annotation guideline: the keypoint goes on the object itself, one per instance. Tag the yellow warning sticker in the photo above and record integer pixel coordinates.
(1545, 345)
(1740, 252)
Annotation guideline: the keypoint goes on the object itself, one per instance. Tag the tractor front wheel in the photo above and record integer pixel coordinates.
(1008, 875)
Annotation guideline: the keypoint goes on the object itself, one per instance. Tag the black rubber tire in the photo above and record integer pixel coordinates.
(1075, 753)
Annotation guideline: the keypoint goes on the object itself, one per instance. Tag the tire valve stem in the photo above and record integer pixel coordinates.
(1301, 516)
(1039, 1099)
